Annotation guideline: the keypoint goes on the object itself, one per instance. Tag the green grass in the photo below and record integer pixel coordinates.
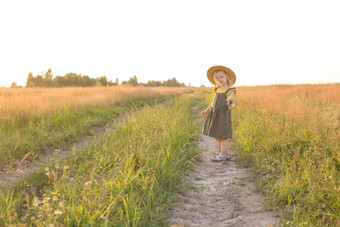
(36, 134)
(297, 162)
(124, 179)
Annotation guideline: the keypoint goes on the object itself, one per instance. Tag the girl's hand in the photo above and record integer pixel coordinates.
(231, 106)
(206, 110)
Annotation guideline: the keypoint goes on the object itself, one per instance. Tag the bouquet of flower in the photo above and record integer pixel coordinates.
(230, 99)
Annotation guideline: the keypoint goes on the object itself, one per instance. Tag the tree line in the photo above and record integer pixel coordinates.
(133, 81)
(78, 80)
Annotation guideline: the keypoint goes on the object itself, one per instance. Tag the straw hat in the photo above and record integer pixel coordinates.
(215, 68)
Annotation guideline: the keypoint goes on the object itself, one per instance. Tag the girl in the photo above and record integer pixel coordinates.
(218, 123)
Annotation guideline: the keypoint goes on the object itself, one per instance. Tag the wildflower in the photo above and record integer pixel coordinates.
(58, 212)
(45, 200)
(55, 198)
(61, 204)
(45, 206)
(36, 202)
(57, 166)
(230, 99)
(66, 167)
(47, 169)
(48, 173)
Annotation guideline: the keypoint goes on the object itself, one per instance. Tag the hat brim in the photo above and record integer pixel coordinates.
(212, 70)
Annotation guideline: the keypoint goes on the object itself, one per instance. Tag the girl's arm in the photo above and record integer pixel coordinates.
(232, 105)
(204, 112)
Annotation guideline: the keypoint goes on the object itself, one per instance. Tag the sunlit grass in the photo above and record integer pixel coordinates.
(291, 135)
(125, 179)
(33, 120)
(20, 104)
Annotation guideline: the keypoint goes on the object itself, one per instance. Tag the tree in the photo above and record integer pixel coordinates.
(48, 79)
(71, 79)
(49, 75)
(30, 80)
(59, 81)
(133, 81)
(153, 83)
(103, 81)
(110, 83)
(172, 83)
(87, 81)
(14, 85)
(39, 81)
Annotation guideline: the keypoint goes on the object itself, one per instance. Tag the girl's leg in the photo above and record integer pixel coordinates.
(224, 146)
(223, 156)
(219, 142)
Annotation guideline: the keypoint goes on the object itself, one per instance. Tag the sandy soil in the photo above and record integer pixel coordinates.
(219, 194)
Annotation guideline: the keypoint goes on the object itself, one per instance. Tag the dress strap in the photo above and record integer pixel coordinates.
(230, 90)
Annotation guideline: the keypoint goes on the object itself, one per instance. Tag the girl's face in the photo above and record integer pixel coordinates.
(221, 78)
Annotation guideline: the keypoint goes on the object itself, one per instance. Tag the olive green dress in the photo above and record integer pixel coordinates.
(218, 123)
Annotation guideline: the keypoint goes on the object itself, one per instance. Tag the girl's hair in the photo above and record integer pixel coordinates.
(229, 82)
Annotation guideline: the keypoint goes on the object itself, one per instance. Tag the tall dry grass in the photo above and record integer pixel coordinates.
(16, 102)
(291, 135)
(315, 103)
(286, 98)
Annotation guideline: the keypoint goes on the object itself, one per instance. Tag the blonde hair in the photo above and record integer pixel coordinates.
(217, 84)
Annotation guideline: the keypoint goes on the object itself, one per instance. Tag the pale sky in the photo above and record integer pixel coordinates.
(263, 41)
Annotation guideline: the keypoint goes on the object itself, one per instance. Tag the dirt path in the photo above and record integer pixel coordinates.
(220, 194)
(10, 175)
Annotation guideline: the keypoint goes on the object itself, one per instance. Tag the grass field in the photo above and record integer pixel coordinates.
(125, 179)
(18, 105)
(36, 119)
(291, 136)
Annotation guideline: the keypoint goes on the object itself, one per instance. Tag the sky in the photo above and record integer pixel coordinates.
(264, 42)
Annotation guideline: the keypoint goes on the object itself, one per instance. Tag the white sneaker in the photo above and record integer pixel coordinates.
(221, 157)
